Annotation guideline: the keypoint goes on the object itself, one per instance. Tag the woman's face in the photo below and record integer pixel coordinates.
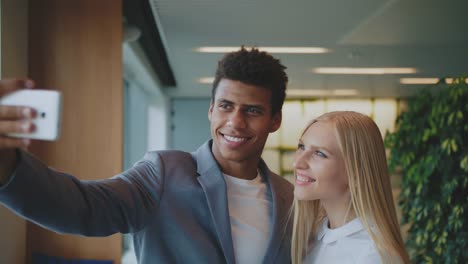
(319, 165)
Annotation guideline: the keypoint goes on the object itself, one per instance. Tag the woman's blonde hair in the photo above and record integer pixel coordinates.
(363, 152)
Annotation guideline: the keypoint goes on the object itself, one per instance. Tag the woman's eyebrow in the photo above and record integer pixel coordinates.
(317, 147)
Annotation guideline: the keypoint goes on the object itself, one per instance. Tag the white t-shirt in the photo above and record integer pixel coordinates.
(350, 243)
(250, 210)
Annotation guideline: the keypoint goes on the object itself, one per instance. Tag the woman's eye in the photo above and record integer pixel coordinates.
(320, 154)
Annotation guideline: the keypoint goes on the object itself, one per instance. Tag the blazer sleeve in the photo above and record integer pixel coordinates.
(65, 204)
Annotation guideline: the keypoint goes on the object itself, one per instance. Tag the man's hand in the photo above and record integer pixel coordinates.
(13, 119)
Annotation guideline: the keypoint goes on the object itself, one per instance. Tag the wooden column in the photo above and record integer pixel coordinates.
(76, 47)
(13, 63)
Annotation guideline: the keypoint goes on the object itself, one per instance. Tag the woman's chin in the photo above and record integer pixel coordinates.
(304, 195)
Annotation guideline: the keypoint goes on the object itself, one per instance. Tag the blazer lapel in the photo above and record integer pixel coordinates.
(214, 187)
(280, 215)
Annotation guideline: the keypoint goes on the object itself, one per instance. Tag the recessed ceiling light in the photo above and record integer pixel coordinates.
(353, 70)
(427, 80)
(296, 50)
(206, 80)
(451, 80)
(345, 92)
(419, 80)
(308, 92)
(313, 92)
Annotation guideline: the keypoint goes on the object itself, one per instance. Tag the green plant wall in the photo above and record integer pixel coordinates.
(430, 148)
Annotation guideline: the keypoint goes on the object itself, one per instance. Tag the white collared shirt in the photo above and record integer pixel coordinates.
(250, 211)
(350, 243)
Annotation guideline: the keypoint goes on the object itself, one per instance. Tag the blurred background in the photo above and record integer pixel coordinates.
(137, 76)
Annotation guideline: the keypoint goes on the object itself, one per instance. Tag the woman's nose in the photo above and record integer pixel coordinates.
(300, 160)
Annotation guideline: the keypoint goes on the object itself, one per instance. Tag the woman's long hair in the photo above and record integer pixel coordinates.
(363, 152)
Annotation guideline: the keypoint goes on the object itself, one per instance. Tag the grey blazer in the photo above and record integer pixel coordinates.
(173, 203)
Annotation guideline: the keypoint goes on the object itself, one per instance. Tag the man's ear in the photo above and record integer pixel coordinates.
(276, 122)
(210, 110)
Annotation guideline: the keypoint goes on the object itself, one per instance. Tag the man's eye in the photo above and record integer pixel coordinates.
(254, 110)
(320, 154)
(224, 106)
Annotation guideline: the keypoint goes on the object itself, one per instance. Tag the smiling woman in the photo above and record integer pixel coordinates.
(319, 165)
(344, 210)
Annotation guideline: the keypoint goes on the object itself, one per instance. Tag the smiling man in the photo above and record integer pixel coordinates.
(219, 204)
(241, 119)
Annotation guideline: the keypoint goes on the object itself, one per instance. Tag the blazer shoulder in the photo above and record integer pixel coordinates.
(282, 186)
(281, 181)
(170, 160)
(157, 156)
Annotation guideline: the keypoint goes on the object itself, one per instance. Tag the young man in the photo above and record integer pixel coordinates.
(219, 204)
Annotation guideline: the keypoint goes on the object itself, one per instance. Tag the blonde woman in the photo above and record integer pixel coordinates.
(344, 210)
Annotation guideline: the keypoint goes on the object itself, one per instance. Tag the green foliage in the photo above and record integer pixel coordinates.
(430, 147)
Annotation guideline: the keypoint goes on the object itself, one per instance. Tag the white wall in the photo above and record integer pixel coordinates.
(190, 126)
(14, 62)
(146, 123)
(146, 114)
(135, 123)
(158, 123)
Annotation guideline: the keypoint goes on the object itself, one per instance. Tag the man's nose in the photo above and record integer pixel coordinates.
(237, 119)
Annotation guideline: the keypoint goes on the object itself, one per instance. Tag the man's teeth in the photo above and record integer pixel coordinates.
(304, 179)
(235, 139)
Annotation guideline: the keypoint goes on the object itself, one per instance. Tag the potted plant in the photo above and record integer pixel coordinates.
(430, 150)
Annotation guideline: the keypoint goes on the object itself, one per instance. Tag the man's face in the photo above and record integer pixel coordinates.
(241, 119)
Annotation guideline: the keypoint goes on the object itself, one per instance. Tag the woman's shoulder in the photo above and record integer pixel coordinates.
(368, 254)
(350, 243)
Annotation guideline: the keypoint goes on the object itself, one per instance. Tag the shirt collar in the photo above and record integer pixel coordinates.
(328, 235)
(242, 182)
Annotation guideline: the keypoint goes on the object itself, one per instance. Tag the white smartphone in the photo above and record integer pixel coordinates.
(48, 105)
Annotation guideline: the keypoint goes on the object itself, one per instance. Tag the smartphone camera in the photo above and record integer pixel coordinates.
(43, 115)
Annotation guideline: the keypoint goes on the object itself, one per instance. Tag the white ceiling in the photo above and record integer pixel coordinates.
(430, 35)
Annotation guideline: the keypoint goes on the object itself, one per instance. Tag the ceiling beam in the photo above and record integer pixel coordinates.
(139, 13)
